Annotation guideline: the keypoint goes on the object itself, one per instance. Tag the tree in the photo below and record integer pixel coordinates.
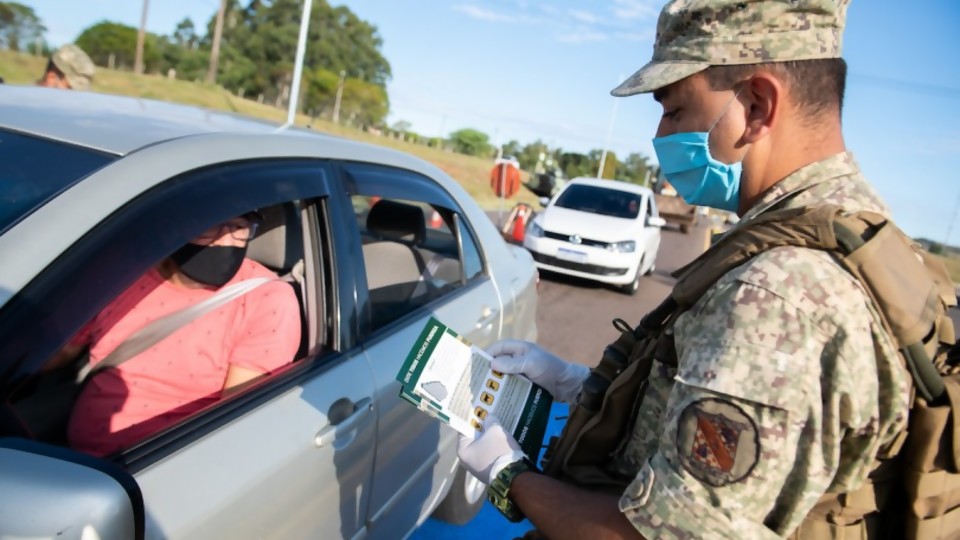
(363, 103)
(20, 28)
(471, 142)
(105, 38)
(402, 126)
(185, 34)
(529, 155)
(264, 34)
(634, 169)
(573, 165)
(512, 148)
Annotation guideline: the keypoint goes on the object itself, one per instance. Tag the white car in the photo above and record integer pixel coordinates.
(604, 230)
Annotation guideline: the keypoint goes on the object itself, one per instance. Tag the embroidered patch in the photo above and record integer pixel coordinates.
(717, 442)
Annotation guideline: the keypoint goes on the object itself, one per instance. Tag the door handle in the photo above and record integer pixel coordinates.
(487, 316)
(330, 433)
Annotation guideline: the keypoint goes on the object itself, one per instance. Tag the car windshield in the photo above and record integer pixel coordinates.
(33, 170)
(600, 200)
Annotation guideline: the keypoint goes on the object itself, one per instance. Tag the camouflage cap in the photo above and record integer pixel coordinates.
(75, 65)
(693, 35)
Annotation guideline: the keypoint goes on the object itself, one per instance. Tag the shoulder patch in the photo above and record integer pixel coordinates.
(717, 442)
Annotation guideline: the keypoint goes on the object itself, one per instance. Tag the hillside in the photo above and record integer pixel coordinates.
(471, 172)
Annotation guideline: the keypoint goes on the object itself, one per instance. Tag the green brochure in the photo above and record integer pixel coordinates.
(450, 379)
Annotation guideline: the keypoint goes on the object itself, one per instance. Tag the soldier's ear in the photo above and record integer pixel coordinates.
(762, 99)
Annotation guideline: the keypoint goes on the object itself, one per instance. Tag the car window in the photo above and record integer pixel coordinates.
(416, 245)
(33, 169)
(202, 246)
(599, 200)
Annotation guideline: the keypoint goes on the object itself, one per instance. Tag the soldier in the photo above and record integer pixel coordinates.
(783, 384)
(69, 68)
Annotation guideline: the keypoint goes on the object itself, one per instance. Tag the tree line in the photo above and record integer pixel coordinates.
(256, 61)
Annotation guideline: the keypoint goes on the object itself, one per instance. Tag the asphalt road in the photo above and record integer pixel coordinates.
(574, 315)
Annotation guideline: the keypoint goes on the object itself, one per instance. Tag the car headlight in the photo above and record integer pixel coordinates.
(628, 246)
(535, 230)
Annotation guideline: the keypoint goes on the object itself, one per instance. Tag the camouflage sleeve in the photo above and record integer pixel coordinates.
(741, 437)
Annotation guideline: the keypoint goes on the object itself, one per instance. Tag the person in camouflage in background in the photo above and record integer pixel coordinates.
(69, 68)
(786, 384)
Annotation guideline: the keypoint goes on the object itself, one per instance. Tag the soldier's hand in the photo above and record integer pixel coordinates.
(489, 452)
(559, 377)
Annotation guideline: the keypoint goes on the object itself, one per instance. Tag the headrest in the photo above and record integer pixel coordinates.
(277, 244)
(391, 220)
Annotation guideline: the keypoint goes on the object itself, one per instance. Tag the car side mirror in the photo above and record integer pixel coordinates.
(544, 201)
(47, 490)
(658, 222)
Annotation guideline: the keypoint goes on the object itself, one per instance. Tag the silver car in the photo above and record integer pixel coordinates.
(96, 190)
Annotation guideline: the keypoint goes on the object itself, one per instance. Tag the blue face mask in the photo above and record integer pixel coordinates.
(700, 179)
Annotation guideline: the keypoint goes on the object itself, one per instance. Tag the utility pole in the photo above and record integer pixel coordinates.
(606, 142)
(215, 49)
(336, 103)
(298, 66)
(138, 62)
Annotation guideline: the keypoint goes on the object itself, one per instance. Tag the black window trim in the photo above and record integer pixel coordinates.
(313, 183)
(419, 183)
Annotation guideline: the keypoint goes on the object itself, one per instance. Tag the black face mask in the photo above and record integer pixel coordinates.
(210, 265)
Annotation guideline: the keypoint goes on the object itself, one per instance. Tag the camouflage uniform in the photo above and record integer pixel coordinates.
(76, 66)
(786, 387)
(787, 384)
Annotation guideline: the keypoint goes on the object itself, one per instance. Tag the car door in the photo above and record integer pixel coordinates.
(416, 456)
(289, 457)
(652, 234)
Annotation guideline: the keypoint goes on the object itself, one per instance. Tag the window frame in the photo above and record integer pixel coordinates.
(73, 289)
(403, 184)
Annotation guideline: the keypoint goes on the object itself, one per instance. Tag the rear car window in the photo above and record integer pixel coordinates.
(598, 200)
(33, 170)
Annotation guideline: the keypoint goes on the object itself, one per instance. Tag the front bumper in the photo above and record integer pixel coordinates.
(582, 261)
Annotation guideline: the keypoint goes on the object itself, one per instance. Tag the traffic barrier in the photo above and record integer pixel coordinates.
(515, 226)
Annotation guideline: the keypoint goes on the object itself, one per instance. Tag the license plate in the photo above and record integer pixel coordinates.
(571, 255)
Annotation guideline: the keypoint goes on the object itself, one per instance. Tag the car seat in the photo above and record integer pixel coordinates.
(278, 245)
(395, 268)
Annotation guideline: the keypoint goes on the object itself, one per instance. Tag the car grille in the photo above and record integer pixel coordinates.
(583, 241)
(579, 267)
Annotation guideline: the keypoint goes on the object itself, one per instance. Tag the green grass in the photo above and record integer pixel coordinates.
(471, 172)
(953, 266)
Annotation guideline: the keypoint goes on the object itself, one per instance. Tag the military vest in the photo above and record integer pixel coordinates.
(913, 490)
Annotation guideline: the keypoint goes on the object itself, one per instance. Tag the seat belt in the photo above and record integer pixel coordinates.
(159, 329)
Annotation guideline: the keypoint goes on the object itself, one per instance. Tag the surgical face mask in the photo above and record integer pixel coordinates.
(210, 265)
(698, 177)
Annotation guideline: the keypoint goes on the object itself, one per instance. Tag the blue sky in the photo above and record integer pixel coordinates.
(529, 69)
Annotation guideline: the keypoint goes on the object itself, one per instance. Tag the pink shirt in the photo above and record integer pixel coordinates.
(184, 372)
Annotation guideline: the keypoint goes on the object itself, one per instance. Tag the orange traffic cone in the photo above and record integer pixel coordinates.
(519, 228)
(435, 220)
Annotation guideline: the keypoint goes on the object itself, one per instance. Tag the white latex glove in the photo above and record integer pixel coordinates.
(559, 377)
(489, 452)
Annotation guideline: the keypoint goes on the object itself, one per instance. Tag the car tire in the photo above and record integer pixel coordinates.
(634, 286)
(463, 502)
(653, 267)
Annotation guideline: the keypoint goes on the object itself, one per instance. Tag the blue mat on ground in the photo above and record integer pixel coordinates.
(490, 523)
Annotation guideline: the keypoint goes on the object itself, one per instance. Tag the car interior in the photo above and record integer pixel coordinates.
(278, 245)
(40, 408)
(402, 271)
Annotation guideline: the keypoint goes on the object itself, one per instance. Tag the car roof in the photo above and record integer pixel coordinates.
(113, 124)
(611, 184)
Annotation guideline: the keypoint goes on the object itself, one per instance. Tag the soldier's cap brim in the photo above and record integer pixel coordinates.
(78, 82)
(657, 74)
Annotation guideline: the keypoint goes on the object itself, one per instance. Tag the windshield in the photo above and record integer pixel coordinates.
(600, 200)
(33, 170)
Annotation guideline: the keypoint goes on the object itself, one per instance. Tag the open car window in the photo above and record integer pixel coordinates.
(113, 287)
(416, 245)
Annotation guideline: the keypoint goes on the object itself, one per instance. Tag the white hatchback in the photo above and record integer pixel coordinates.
(604, 230)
